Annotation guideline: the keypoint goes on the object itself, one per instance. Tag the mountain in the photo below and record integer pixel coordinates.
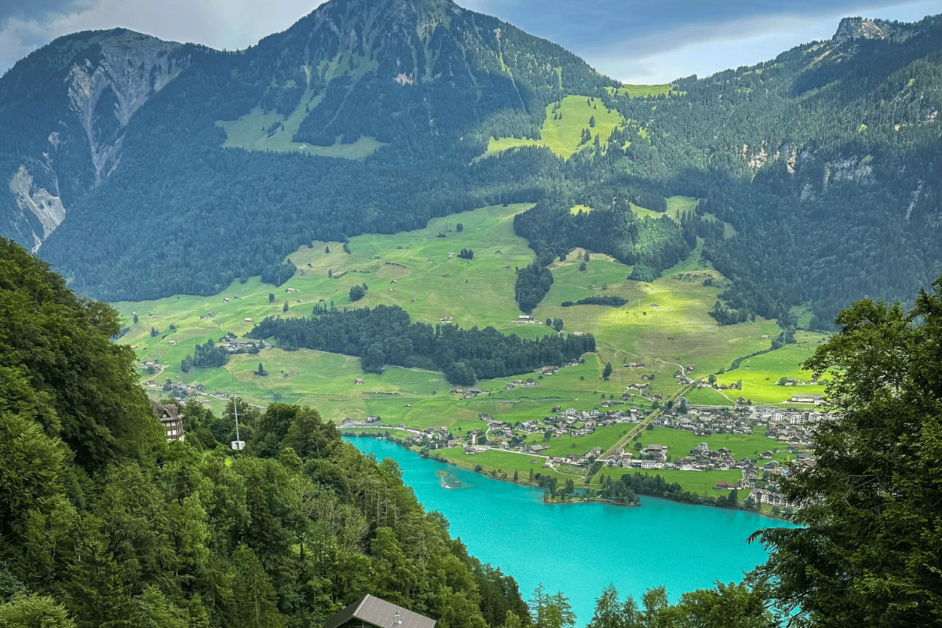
(123, 130)
(824, 160)
(142, 168)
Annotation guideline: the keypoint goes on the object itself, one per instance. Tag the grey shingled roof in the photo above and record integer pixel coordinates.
(380, 613)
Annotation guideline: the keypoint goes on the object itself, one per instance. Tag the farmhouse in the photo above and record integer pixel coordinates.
(524, 319)
(171, 419)
(372, 612)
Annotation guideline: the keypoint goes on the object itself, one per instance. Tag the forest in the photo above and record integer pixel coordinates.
(826, 171)
(386, 335)
(104, 523)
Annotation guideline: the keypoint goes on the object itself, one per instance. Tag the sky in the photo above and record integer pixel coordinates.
(635, 41)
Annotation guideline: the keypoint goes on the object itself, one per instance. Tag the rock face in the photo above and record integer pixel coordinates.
(859, 28)
(131, 68)
(108, 77)
(37, 204)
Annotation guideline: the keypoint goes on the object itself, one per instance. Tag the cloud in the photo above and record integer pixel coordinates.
(36, 9)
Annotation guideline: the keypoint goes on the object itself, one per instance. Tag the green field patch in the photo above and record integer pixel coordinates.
(575, 209)
(665, 324)
(270, 131)
(760, 374)
(641, 212)
(680, 442)
(564, 134)
(603, 437)
(504, 461)
(711, 397)
(700, 482)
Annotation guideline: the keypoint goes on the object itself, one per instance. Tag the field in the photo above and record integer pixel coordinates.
(504, 462)
(270, 131)
(701, 482)
(415, 271)
(760, 375)
(681, 442)
(665, 323)
(563, 136)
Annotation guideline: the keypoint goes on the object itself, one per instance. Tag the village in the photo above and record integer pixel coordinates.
(789, 430)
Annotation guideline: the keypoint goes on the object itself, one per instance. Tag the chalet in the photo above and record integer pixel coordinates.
(372, 612)
(173, 342)
(722, 486)
(248, 320)
(358, 381)
(509, 387)
(690, 368)
(372, 419)
(524, 319)
(171, 419)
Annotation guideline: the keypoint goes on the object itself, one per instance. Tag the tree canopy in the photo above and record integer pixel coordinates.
(867, 552)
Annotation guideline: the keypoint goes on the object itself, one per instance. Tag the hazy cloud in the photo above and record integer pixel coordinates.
(36, 9)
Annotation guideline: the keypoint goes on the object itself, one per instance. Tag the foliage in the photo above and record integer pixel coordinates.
(386, 335)
(206, 355)
(101, 531)
(608, 299)
(533, 282)
(876, 477)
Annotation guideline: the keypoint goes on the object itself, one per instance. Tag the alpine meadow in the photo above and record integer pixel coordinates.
(648, 356)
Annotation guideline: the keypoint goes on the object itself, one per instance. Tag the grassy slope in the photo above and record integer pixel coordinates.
(678, 331)
(563, 136)
(760, 374)
(479, 292)
(251, 132)
(641, 91)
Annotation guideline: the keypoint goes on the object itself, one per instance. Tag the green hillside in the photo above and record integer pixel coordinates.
(106, 523)
(476, 292)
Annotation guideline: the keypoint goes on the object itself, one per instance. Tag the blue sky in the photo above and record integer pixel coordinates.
(636, 41)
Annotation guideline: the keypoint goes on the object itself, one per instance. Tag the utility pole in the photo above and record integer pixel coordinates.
(238, 444)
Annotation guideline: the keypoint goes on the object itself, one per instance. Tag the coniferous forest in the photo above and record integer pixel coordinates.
(823, 160)
(386, 335)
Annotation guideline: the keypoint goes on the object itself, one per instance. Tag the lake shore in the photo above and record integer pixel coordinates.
(492, 474)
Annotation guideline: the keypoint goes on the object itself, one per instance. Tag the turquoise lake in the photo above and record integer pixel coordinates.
(580, 548)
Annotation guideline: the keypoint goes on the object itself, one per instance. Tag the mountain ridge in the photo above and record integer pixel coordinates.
(186, 147)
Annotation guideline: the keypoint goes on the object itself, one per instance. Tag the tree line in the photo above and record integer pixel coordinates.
(386, 335)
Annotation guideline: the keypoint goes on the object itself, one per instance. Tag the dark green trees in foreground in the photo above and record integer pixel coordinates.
(103, 523)
(870, 549)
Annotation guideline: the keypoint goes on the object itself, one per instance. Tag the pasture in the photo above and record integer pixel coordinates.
(563, 128)
(665, 325)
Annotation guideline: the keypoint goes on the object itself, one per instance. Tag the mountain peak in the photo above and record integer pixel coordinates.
(852, 28)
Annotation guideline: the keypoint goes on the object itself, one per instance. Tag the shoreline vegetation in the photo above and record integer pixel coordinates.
(567, 494)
